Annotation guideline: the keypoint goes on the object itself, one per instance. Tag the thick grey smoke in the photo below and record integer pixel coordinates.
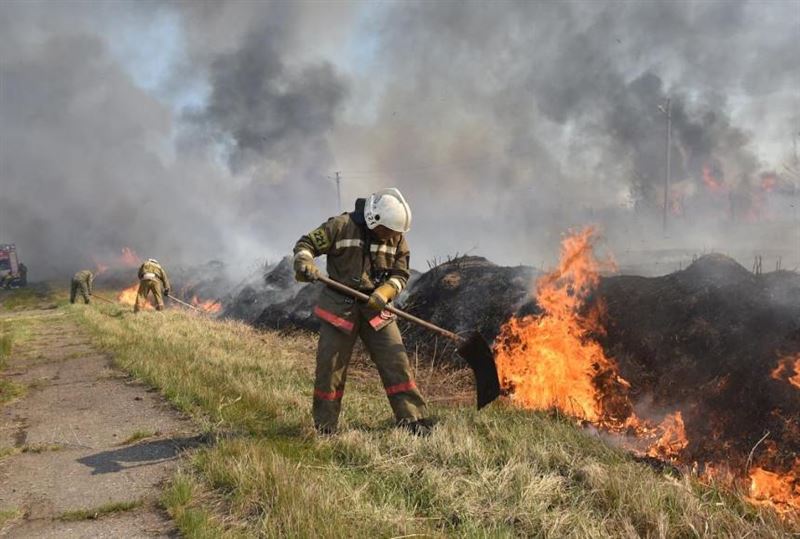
(504, 123)
(561, 98)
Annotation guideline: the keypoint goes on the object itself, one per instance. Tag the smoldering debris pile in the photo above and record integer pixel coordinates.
(711, 341)
(462, 294)
(275, 285)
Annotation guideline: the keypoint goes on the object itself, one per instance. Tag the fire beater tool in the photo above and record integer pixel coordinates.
(184, 303)
(473, 348)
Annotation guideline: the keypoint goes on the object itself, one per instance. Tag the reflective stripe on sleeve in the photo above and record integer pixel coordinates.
(397, 283)
(375, 248)
(341, 244)
(304, 253)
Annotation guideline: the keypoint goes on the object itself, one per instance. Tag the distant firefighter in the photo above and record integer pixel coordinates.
(81, 281)
(152, 278)
(23, 274)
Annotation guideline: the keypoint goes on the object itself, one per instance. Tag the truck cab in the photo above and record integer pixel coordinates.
(13, 274)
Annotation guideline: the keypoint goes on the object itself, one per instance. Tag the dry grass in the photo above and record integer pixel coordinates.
(139, 435)
(498, 473)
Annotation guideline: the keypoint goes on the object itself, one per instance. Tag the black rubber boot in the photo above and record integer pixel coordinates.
(421, 427)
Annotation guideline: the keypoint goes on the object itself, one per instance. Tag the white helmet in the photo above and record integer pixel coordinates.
(387, 207)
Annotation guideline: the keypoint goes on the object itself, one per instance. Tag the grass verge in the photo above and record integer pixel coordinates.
(11, 332)
(500, 473)
(98, 512)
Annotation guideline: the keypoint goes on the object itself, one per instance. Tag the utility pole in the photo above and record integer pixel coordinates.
(667, 110)
(339, 190)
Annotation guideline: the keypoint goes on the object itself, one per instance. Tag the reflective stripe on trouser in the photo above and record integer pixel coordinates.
(145, 287)
(78, 286)
(387, 351)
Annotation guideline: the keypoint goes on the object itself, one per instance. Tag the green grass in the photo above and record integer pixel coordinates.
(190, 510)
(501, 472)
(7, 516)
(101, 511)
(24, 298)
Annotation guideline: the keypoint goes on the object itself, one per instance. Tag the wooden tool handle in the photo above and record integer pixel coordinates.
(402, 314)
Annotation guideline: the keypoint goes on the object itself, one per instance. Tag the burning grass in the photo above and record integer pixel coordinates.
(501, 472)
(554, 360)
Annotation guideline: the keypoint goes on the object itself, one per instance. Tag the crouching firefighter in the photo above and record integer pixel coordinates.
(152, 278)
(366, 250)
(81, 282)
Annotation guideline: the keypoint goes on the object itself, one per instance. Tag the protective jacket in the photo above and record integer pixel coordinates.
(357, 259)
(150, 271)
(84, 277)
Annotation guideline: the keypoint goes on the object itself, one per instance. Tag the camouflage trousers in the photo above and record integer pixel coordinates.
(147, 286)
(386, 350)
(78, 286)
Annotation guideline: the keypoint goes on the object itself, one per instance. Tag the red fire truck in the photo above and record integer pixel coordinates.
(13, 273)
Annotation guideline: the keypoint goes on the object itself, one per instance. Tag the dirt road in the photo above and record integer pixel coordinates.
(87, 450)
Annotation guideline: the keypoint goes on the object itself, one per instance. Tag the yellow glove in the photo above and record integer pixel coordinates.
(381, 296)
(305, 270)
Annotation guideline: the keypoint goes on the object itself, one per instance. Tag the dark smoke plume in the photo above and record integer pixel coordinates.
(504, 123)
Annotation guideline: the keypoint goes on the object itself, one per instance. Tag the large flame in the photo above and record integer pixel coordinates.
(553, 360)
(550, 361)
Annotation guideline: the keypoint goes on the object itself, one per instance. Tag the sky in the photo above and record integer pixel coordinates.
(191, 131)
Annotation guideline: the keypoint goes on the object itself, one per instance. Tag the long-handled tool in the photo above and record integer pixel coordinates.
(101, 298)
(173, 298)
(473, 348)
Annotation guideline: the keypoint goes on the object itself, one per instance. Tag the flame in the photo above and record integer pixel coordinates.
(209, 306)
(781, 491)
(128, 296)
(672, 440)
(789, 369)
(713, 184)
(553, 361)
(769, 181)
(128, 257)
(549, 361)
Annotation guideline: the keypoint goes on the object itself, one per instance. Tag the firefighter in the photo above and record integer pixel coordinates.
(23, 274)
(366, 250)
(81, 281)
(6, 280)
(152, 278)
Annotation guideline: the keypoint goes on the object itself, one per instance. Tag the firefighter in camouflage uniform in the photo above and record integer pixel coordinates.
(366, 250)
(152, 278)
(81, 282)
